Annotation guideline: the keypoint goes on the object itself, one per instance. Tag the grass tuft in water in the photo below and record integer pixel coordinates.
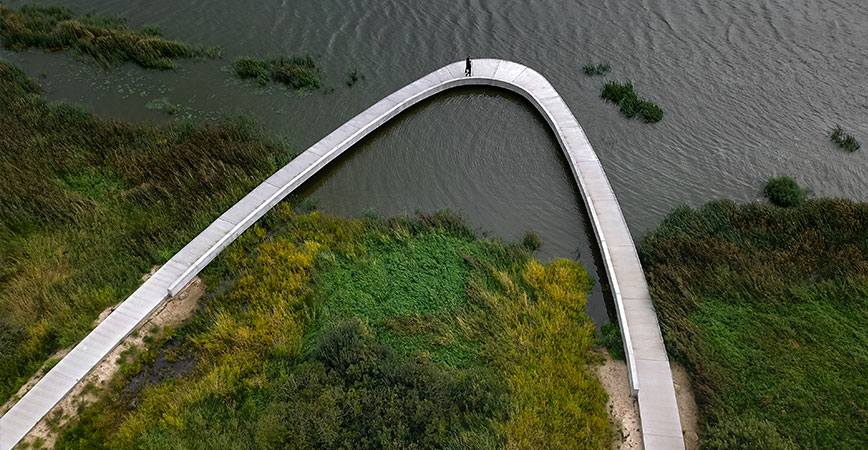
(600, 69)
(844, 140)
(163, 104)
(105, 39)
(630, 104)
(300, 73)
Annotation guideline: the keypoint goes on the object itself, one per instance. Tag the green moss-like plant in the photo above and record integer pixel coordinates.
(844, 140)
(784, 191)
(106, 39)
(630, 104)
(297, 73)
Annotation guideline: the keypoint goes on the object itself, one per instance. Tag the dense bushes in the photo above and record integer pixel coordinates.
(89, 205)
(767, 307)
(372, 334)
(107, 40)
(299, 73)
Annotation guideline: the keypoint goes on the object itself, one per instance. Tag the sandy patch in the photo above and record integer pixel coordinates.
(172, 313)
(624, 409)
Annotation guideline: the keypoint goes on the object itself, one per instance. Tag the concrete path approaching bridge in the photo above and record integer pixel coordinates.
(650, 376)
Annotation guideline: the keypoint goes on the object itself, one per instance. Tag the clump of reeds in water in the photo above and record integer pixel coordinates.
(844, 140)
(630, 103)
(353, 77)
(298, 73)
(599, 69)
(106, 39)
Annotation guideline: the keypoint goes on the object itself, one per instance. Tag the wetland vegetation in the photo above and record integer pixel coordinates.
(766, 307)
(844, 140)
(88, 205)
(400, 333)
(298, 73)
(599, 69)
(106, 39)
(631, 105)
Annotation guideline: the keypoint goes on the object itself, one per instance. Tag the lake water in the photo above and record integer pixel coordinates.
(750, 89)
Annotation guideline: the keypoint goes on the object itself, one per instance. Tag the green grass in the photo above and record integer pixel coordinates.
(405, 333)
(844, 140)
(89, 205)
(600, 69)
(105, 39)
(163, 104)
(297, 73)
(630, 104)
(766, 307)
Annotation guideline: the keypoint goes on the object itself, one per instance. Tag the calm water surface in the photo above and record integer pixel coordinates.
(750, 89)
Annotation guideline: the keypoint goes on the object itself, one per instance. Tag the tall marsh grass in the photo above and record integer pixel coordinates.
(631, 105)
(298, 73)
(89, 205)
(105, 39)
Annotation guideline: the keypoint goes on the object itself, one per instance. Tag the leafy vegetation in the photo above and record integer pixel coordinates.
(844, 140)
(89, 205)
(612, 340)
(106, 39)
(298, 73)
(325, 332)
(784, 191)
(630, 103)
(767, 307)
(600, 69)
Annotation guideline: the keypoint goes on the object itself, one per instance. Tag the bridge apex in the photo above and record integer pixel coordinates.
(648, 365)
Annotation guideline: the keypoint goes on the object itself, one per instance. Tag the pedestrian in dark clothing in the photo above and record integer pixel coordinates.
(467, 68)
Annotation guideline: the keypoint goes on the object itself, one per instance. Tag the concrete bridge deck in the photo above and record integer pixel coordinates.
(648, 365)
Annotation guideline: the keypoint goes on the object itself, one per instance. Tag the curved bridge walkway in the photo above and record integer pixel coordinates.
(650, 376)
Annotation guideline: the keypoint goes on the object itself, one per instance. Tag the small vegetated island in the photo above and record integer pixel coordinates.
(766, 304)
(323, 332)
(106, 39)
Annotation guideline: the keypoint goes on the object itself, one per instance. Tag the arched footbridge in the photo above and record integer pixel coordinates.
(648, 365)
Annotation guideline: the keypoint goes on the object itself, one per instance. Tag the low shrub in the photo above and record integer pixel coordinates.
(784, 191)
(612, 340)
(532, 241)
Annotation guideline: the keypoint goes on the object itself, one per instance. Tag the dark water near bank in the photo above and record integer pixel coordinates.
(750, 88)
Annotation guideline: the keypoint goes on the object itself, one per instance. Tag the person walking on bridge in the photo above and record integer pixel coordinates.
(467, 67)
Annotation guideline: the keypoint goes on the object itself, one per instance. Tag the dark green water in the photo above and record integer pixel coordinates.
(750, 89)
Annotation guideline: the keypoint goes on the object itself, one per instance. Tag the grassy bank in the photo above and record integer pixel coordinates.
(329, 333)
(767, 308)
(106, 39)
(88, 205)
(298, 73)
